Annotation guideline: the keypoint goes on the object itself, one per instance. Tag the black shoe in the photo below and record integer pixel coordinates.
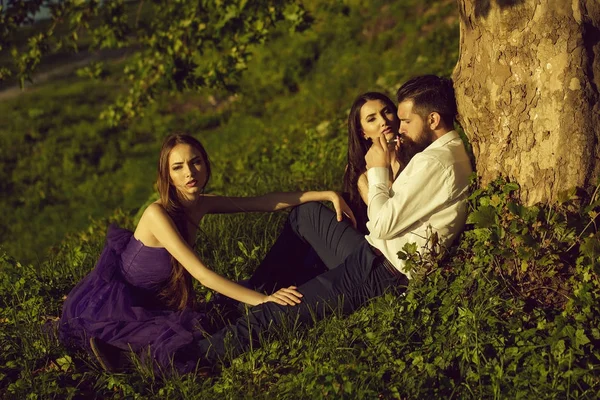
(110, 358)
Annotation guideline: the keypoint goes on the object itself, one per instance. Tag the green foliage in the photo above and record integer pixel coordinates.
(534, 248)
(193, 44)
(61, 165)
(34, 364)
(81, 168)
(510, 312)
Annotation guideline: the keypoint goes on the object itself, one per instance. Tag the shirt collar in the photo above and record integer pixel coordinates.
(443, 140)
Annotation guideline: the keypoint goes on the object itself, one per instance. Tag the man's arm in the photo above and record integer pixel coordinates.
(421, 189)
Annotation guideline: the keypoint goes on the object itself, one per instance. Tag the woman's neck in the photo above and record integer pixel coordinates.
(192, 208)
(192, 219)
(189, 201)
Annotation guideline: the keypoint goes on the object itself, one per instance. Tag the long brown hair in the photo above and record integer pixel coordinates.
(177, 293)
(357, 148)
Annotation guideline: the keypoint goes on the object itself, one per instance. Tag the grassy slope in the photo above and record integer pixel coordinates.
(59, 159)
(457, 335)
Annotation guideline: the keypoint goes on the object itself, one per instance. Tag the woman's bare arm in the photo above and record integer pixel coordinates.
(274, 202)
(162, 227)
(363, 187)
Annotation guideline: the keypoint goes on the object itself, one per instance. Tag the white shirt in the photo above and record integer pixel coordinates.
(428, 196)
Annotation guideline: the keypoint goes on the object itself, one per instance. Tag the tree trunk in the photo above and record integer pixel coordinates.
(527, 83)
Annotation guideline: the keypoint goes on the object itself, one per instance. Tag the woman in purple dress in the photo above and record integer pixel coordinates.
(139, 297)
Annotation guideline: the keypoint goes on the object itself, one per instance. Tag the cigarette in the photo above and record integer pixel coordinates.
(399, 138)
(395, 139)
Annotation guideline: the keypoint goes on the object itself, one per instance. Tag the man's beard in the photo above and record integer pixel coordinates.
(410, 148)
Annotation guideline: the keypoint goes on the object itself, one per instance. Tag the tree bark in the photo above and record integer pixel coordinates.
(527, 83)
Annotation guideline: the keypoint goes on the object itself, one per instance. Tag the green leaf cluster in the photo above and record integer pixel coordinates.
(193, 45)
(512, 309)
(535, 250)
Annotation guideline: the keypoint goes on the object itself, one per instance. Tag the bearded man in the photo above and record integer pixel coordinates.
(428, 197)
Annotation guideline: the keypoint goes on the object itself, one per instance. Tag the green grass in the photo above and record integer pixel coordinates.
(480, 325)
(59, 159)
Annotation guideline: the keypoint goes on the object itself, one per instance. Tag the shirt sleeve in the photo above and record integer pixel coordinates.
(419, 190)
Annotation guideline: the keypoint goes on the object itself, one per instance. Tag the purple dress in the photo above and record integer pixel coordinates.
(118, 303)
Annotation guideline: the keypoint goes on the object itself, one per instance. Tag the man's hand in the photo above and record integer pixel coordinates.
(397, 145)
(286, 296)
(379, 154)
(342, 208)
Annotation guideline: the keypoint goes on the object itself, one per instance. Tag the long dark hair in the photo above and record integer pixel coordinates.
(357, 148)
(177, 293)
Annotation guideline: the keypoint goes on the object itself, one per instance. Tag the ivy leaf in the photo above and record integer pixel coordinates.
(567, 195)
(590, 247)
(558, 348)
(495, 201)
(510, 187)
(483, 217)
(514, 208)
(65, 363)
(580, 338)
(530, 214)
(410, 248)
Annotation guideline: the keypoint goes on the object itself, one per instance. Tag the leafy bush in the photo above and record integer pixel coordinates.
(510, 313)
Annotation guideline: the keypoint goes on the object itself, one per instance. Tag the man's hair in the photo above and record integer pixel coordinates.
(430, 93)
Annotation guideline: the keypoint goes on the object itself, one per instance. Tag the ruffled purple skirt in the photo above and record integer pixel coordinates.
(107, 306)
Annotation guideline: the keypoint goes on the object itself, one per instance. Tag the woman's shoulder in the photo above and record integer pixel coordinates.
(363, 181)
(155, 207)
(153, 213)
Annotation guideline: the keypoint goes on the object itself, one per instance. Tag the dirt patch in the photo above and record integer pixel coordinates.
(66, 68)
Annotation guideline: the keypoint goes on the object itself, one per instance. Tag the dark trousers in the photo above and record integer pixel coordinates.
(334, 266)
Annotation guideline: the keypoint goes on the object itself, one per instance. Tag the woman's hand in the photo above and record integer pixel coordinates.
(378, 153)
(286, 296)
(342, 208)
